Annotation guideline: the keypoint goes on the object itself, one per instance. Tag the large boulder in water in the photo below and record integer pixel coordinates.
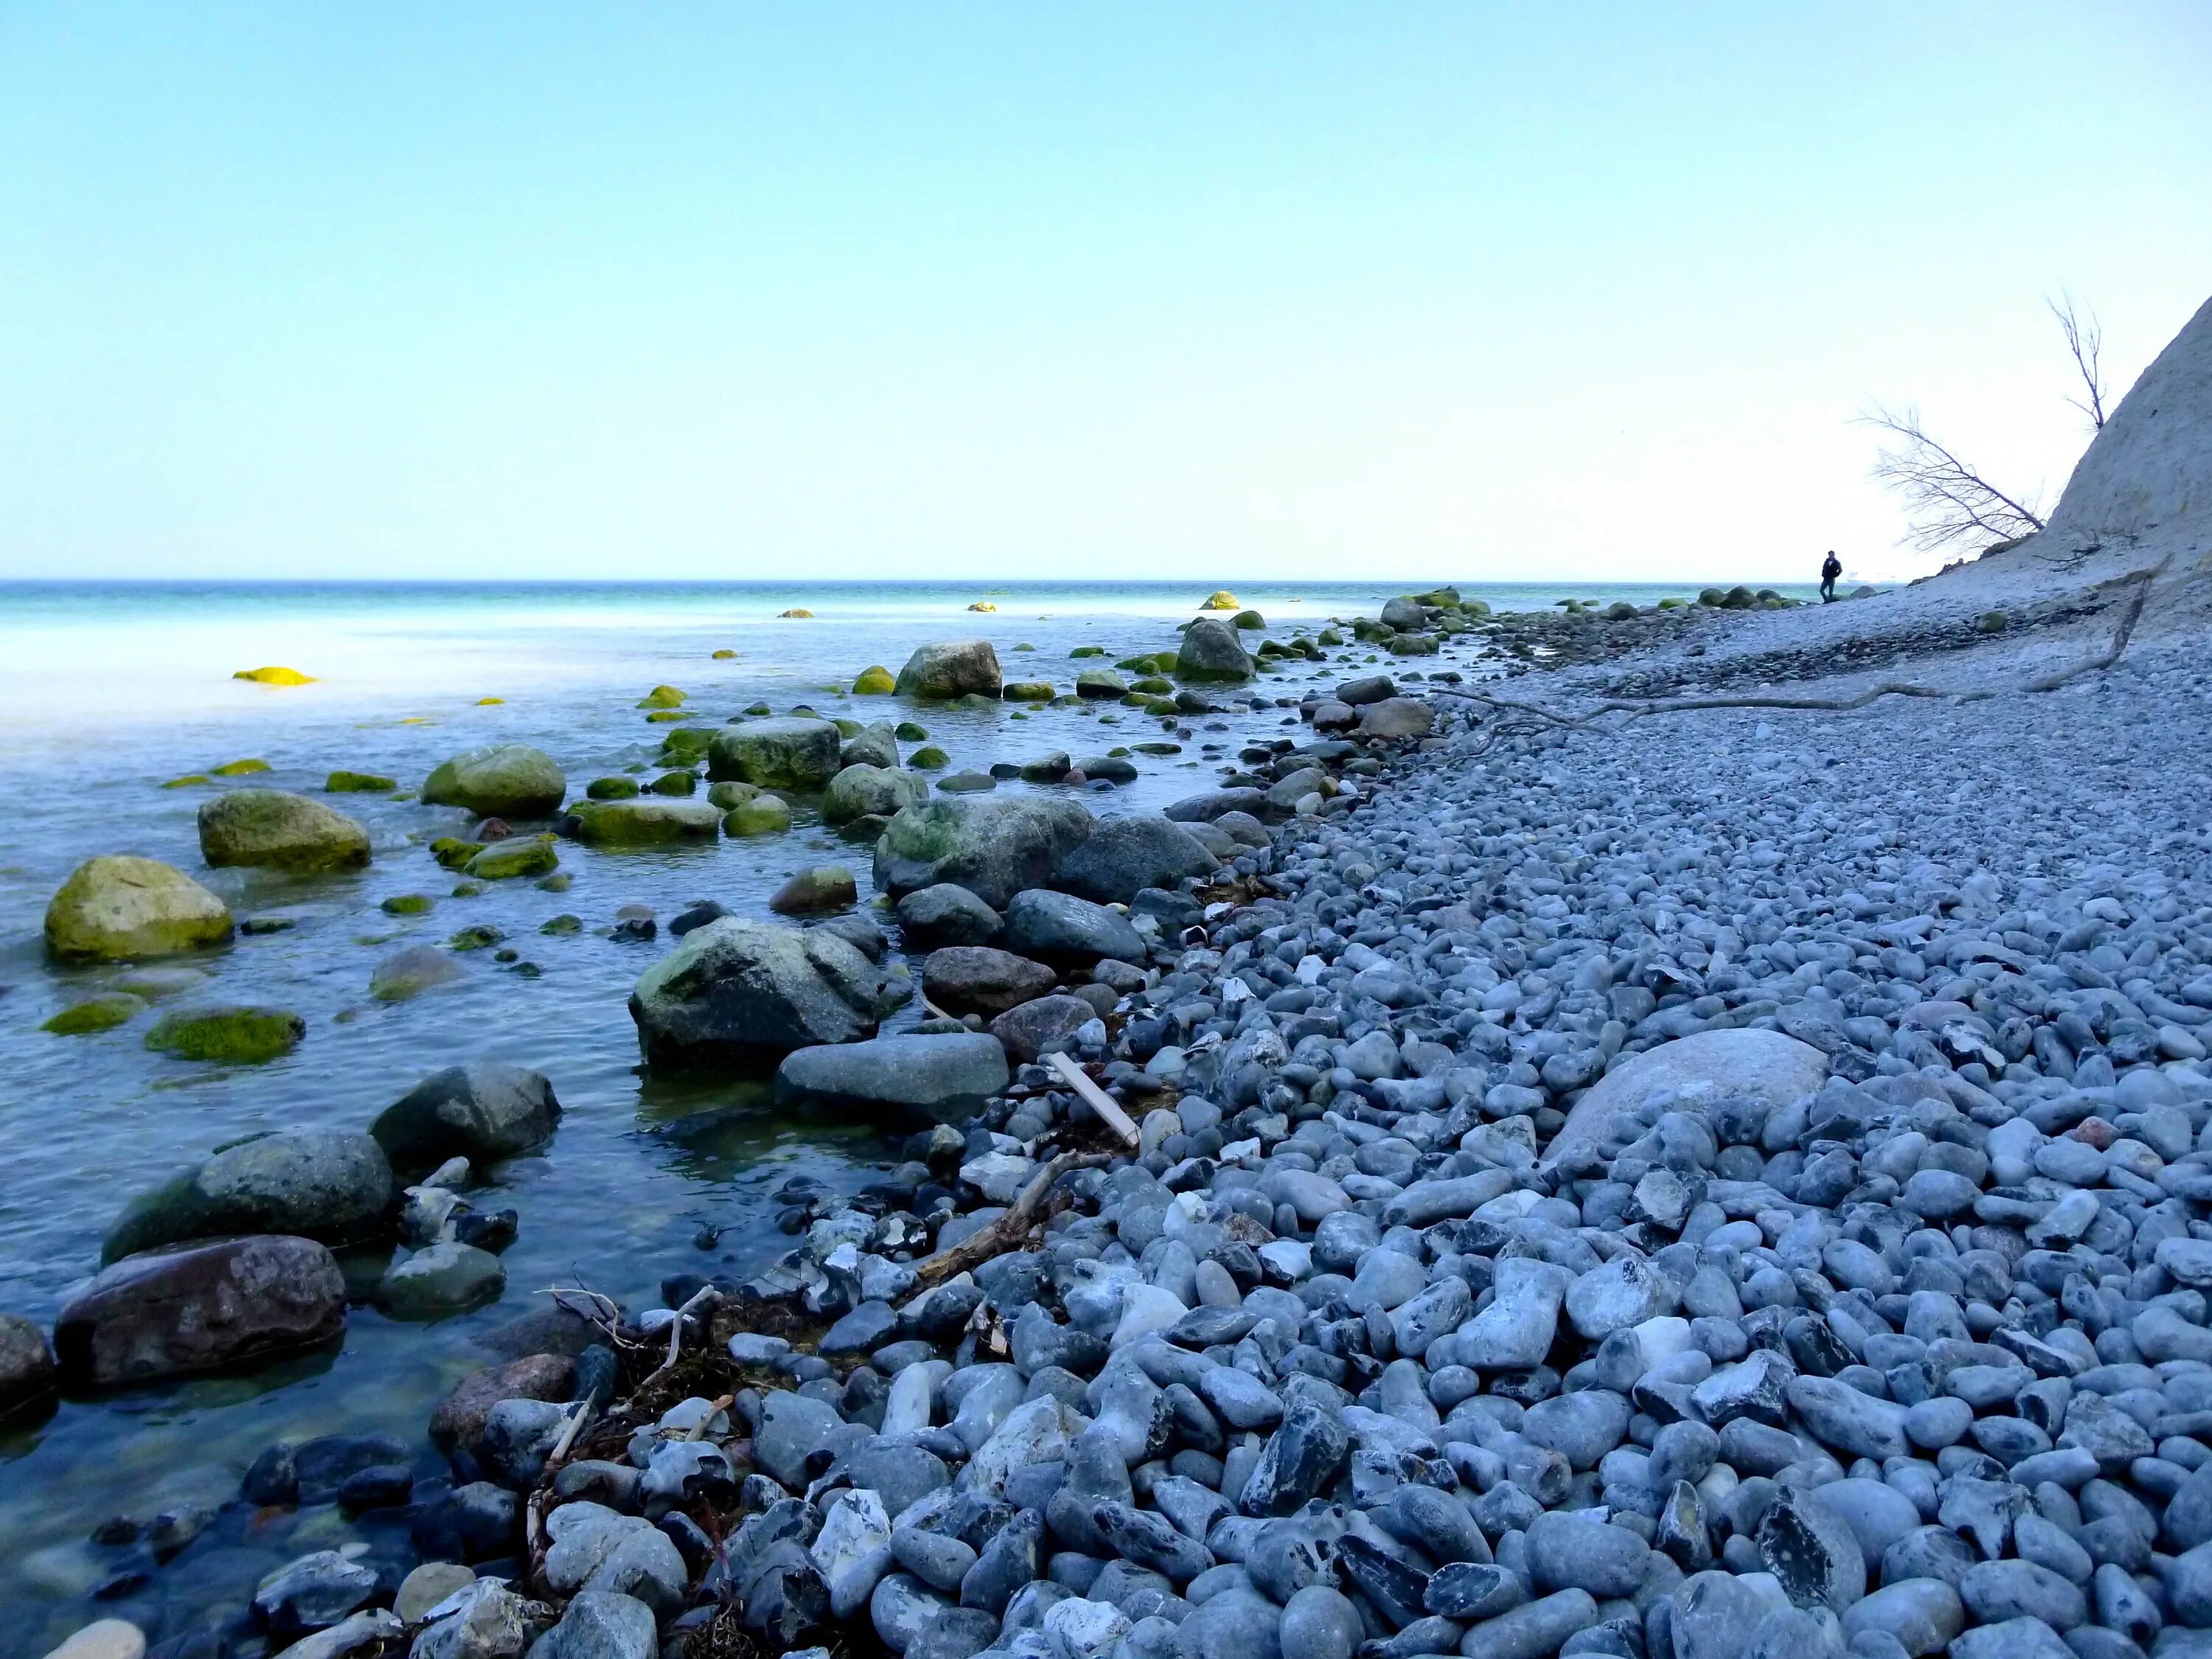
(1397, 717)
(798, 753)
(945, 1076)
(737, 993)
(994, 849)
(951, 668)
(1211, 651)
(504, 780)
(862, 791)
(197, 1306)
(270, 829)
(642, 821)
(1751, 1073)
(1122, 856)
(483, 1113)
(326, 1184)
(118, 909)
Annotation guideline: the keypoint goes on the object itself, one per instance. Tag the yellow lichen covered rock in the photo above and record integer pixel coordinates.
(875, 681)
(1223, 599)
(274, 676)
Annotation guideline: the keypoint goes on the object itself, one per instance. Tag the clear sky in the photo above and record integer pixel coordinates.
(1449, 291)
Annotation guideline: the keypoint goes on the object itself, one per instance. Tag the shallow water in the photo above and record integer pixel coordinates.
(107, 692)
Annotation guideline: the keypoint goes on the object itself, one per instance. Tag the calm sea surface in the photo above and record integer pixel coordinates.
(107, 692)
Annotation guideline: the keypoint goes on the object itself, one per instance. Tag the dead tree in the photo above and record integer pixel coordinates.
(2085, 342)
(1949, 502)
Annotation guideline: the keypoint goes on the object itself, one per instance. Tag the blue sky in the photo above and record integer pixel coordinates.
(1447, 291)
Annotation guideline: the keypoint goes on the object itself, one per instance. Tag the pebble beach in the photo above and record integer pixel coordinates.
(1686, 1183)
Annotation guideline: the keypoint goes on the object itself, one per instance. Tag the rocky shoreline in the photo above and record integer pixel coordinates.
(1585, 1199)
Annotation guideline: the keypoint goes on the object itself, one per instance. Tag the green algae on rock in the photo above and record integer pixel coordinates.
(343, 782)
(763, 815)
(101, 1013)
(644, 821)
(505, 780)
(120, 908)
(228, 1036)
(874, 681)
(518, 855)
(270, 829)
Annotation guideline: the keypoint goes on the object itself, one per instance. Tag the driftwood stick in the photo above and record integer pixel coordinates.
(1009, 1230)
(1094, 1096)
(2128, 619)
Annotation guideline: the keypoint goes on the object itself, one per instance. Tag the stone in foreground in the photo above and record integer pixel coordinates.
(198, 1307)
(119, 908)
(946, 1075)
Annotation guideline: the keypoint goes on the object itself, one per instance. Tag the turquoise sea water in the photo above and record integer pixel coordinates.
(108, 691)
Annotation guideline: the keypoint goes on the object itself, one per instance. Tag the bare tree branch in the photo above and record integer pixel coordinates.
(1949, 502)
(2085, 340)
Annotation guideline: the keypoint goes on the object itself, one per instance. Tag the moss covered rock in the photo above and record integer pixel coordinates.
(675, 783)
(796, 753)
(874, 681)
(612, 788)
(359, 783)
(824, 887)
(518, 855)
(928, 758)
(1094, 684)
(645, 822)
(407, 904)
(228, 1036)
(409, 973)
(1028, 691)
(763, 815)
(1220, 599)
(270, 829)
(909, 731)
(118, 909)
(661, 697)
(101, 1014)
(864, 791)
(731, 794)
(504, 781)
(186, 782)
(454, 852)
(686, 746)
(274, 676)
(240, 769)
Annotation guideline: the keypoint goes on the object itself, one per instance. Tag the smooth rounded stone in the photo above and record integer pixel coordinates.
(2187, 1261)
(519, 1436)
(1841, 1417)
(1385, 1280)
(1569, 1551)
(228, 1034)
(939, 1561)
(1533, 1631)
(198, 1307)
(1928, 1551)
(1299, 1459)
(1756, 1072)
(1935, 1424)
(410, 971)
(1124, 856)
(313, 1592)
(440, 1279)
(956, 1633)
(643, 821)
(1081, 1629)
(1397, 717)
(1320, 1622)
(1812, 1550)
(1923, 1614)
(103, 1638)
(1234, 1624)
(853, 1551)
(1516, 1330)
(944, 669)
(1581, 1427)
(28, 1372)
(795, 1429)
(982, 978)
(945, 1076)
(475, 1521)
(860, 791)
(1211, 651)
(735, 992)
(1876, 1512)
(2013, 1639)
(1243, 1401)
(994, 849)
(1995, 1591)
(1939, 1194)
(324, 1184)
(932, 918)
(1622, 1293)
(1313, 1198)
(1472, 1591)
(1047, 1026)
(899, 1609)
(483, 1112)
(992, 1392)
(2188, 1586)
(502, 780)
(1063, 929)
(428, 1585)
(120, 908)
(1342, 1241)
(269, 829)
(1714, 1613)
(597, 1623)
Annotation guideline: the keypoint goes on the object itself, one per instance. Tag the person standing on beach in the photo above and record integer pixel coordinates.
(1831, 568)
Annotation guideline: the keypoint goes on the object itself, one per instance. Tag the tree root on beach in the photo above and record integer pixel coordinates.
(1534, 719)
